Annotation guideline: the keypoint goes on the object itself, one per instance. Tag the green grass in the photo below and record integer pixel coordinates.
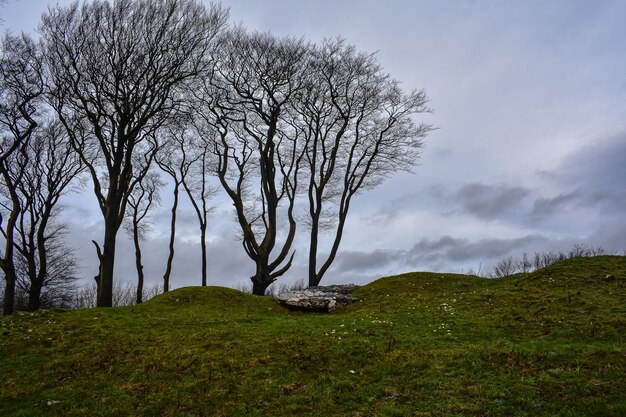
(550, 343)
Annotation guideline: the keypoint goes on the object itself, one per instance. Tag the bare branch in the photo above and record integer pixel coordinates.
(244, 109)
(357, 128)
(119, 72)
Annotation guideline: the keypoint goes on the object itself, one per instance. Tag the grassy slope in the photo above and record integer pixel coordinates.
(548, 343)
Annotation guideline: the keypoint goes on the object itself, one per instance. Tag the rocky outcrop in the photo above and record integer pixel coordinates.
(319, 299)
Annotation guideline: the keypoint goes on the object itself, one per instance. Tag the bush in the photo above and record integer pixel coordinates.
(525, 263)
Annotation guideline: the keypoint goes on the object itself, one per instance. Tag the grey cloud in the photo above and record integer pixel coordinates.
(608, 200)
(592, 178)
(490, 201)
(604, 202)
(544, 207)
(483, 201)
(443, 254)
(611, 236)
(442, 153)
(600, 164)
(357, 261)
(454, 251)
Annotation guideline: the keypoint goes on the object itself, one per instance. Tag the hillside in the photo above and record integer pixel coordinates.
(421, 344)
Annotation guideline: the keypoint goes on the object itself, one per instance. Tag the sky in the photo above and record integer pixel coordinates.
(529, 154)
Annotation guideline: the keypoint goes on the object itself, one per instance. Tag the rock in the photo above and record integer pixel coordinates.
(339, 289)
(320, 299)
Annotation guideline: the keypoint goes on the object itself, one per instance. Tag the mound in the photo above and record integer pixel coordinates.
(541, 344)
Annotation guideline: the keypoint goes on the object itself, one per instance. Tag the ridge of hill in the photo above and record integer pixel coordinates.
(545, 343)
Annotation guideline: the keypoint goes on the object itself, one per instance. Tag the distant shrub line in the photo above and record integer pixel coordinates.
(530, 263)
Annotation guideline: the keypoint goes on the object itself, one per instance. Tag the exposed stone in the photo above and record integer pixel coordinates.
(320, 299)
(340, 289)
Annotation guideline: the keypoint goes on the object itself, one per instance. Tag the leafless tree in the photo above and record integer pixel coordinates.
(582, 250)
(358, 128)
(185, 157)
(143, 197)
(524, 264)
(169, 159)
(118, 72)
(543, 259)
(246, 105)
(504, 267)
(44, 171)
(21, 87)
(59, 282)
(194, 170)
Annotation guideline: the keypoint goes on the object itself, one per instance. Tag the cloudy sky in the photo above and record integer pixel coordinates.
(529, 98)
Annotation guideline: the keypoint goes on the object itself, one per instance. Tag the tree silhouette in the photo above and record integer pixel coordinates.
(357, 128)
(44, 171)
(245, 105)
(21, 87)
(118, 72)
(144, 196)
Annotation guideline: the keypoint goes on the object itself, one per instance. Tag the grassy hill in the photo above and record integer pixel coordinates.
(421, 344)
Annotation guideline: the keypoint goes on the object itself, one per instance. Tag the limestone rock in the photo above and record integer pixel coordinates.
(320, 299)
(339, 289)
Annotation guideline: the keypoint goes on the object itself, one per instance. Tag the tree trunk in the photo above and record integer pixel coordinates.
(170, 258)
(9, 289)
(38, 278)
(313, 279)
(7, 263)
(34, 296)
(105, 283)
(138, 263)
(203, 245)
(259, 285)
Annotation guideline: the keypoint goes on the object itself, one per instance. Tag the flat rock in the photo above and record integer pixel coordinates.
(319, 299)
(339, 289)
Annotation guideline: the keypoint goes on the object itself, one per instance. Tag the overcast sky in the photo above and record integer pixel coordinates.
(529, 98)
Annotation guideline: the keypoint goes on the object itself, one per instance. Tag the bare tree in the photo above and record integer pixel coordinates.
(169, 159)
(185, 158)
(358, 129)
(525, 263)
(21, 87)
(504, 267)
(245, 105)
(194, 172)
(117, 74)
(57, 288)
(144, 196)
(42, 173)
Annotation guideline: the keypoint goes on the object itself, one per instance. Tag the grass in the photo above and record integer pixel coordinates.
(549, 343)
